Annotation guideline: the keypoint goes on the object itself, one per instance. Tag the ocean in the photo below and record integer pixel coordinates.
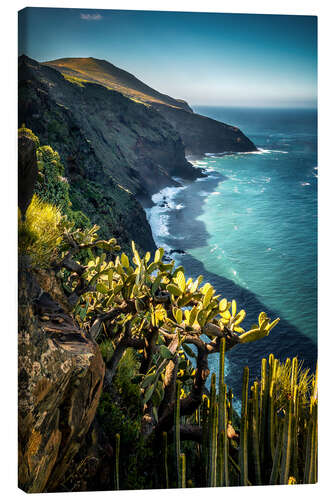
(250, 228)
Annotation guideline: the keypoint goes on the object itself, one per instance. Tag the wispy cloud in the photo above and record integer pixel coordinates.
(91, 17)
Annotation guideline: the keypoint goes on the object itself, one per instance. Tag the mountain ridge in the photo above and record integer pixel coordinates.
(105, 73)
(199, 133)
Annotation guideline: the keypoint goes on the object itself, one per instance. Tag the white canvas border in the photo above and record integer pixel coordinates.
(8, 260)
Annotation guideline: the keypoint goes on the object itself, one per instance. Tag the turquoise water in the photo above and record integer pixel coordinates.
(251, 228)
(262, 221)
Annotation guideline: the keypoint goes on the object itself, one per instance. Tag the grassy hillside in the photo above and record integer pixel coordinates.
(88, 69)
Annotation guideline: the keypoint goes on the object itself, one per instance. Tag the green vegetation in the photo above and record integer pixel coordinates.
(41, 233)
(30, 134)
(76, 80)
(276, 442)
(52, 187)
(156, 330)
(83, 201)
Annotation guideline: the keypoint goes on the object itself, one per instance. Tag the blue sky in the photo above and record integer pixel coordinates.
(204, 58)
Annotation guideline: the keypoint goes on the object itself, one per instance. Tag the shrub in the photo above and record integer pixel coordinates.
(51, 186)
(41, 233)
(29, 133)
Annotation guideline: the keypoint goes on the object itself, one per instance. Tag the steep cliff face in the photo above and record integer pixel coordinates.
(134, 144)
(205, 135)
(115, 151)
(93, 189)
(199, 133)
(60, 379)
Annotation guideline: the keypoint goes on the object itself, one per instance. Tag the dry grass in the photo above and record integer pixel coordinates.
(40, 234)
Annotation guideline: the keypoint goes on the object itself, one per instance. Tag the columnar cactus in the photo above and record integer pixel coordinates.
(223, 444)
(177, 433)
(183, 470)
(165, 458)
(244, 429)
(255, 433)
(116, 475)
(213, 427)
(286, 445)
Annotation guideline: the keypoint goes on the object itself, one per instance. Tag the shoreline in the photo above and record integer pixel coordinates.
(165, 198)
(164, 206)
(173, 219)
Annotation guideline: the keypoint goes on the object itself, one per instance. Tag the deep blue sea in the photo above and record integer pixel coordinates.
(250, 228)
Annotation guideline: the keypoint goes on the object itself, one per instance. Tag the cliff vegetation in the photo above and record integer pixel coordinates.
(115, 389)
(144, 416)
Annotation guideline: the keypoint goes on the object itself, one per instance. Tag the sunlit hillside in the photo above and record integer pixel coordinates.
(99, 71)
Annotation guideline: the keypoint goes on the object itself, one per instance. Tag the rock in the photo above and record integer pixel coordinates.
(178, 250)
(60, 378)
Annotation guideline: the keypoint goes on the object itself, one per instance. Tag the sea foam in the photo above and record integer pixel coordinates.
(158, 215)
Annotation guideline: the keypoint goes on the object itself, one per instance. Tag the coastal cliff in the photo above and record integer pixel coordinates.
(115, 151)
(199, 134)
(131, 141)
(117, 148)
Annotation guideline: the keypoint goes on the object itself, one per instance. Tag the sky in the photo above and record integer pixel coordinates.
(205, 58)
